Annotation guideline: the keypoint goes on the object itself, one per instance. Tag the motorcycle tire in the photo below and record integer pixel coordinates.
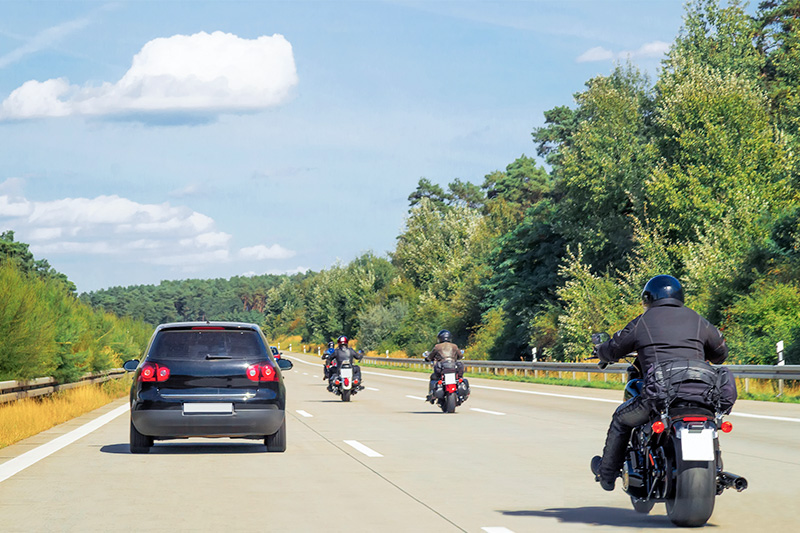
(694, 491)
(346, 395)
(642, 506)
(451, 403)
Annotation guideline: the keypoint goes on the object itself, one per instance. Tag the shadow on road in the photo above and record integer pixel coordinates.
(184, 448)
(601, 516)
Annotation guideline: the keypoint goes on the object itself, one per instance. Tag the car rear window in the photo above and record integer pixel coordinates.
(206, 344)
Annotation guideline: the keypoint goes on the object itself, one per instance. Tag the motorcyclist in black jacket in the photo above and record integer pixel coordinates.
(666, 331)
(344, 354)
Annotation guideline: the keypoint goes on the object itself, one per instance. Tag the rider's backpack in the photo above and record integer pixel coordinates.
(690, 380)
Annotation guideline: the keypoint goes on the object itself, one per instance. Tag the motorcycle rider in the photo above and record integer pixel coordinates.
(326, 357)
(445, 350)
(344, 354)
(665, 331)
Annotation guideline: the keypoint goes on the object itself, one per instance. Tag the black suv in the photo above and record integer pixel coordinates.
(208, 379)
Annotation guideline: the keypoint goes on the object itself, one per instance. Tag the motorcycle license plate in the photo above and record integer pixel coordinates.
(697, 445)
(450, 379)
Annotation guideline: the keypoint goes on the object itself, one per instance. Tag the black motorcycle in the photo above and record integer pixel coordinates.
(675, 458)
(450, 390)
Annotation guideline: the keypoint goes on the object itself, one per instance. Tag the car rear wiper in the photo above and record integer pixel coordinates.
(210, 356)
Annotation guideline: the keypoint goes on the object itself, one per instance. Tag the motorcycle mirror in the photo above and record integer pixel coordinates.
(600, 338)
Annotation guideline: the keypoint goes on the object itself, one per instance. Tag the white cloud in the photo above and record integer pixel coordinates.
(203, 72)
(598, 53)
(655, 49)
(159, 234)
(261, 252)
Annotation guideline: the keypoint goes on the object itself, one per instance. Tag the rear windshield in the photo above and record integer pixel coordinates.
(206, 344)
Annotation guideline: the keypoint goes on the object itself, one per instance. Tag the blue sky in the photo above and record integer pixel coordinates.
(143, 141)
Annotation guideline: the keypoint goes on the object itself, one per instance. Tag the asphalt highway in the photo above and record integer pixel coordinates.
(514, 458)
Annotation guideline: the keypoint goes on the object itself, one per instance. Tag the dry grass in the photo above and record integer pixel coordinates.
(25, 418)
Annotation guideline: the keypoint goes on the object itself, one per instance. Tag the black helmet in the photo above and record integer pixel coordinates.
(660, 287)
(330, 344)
(444, 336)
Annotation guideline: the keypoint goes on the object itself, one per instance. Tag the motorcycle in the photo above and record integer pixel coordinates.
(675, 458)
(342, 382)
(450, 390)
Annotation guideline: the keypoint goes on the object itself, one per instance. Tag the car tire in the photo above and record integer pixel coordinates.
(277, 441)
(139, 443)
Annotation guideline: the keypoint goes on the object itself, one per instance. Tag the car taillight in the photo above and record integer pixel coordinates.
(726, 427)
(154, 372)
(261, 372)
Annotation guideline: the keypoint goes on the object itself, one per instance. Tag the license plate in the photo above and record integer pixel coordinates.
(450, 379)
(208, 408)
(347, 373)
(697, 445)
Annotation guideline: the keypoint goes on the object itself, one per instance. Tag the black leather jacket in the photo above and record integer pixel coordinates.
(667, 331)
(345, 355)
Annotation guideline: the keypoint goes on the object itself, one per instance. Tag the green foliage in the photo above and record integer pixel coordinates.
(758, 320)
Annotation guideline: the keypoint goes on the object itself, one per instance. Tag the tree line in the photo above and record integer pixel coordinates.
(694, 174)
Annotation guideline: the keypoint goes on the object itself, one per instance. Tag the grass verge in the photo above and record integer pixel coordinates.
(27, 417)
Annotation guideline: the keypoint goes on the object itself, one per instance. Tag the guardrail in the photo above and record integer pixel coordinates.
(539, 369)
(16, 390)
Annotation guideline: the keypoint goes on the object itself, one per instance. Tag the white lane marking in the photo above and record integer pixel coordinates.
(316, 376)
(371, 388)
(765, 417)
(303, 413)
(369, 452)
(17, 464)
(305, 373)
(485, 411)
(572, 397)
(496, 530)
(416, 398)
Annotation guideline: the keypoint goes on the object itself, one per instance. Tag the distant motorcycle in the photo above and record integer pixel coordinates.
(450, 390)
(675, 458)
(342, 382)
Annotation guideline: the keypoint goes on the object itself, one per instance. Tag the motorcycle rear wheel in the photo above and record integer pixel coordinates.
(694, 491)
(451, 403)
(346, 395)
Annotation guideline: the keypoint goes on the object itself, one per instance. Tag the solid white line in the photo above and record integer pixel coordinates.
(17, 464)
(303, 413)
(496, 530)
(415, 397)
(371, 388)
(765, 417)
(369, 452)
(485, 411)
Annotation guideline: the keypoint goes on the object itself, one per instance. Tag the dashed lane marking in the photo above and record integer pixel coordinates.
(496, 530)
(366, 450)
(303, 413)
(415, 397)
(371, 388)
(485, 411)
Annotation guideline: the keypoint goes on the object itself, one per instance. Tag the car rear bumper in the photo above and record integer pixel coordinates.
(174, 423)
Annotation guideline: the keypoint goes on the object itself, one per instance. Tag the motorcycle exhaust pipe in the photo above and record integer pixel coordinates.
(728, 480)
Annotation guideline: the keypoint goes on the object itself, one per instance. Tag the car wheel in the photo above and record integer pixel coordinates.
(277, 441)
(139, 443)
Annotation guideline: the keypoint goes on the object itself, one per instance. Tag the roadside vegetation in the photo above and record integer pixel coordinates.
(27, 417)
